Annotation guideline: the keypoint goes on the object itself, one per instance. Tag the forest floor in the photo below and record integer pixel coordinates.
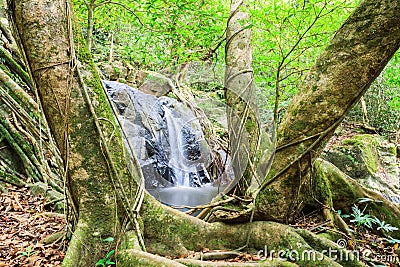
(25, 222)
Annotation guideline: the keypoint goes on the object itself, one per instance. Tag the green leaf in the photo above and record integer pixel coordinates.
(100, 262)
(108, 239)
(109, 254)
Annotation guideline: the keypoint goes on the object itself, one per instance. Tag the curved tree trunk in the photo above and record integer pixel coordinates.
(357, 54)
(242, 111)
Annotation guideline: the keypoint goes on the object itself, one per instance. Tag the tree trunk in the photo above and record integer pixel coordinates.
(356, 55)
(103, 190)
(242, 111)
(91, 6)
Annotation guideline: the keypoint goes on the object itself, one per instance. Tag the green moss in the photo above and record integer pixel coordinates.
(392, 149)
(380, 211)
(299, 125)
(367, 144)
(268, 196)
(250, 125)
(321, 188)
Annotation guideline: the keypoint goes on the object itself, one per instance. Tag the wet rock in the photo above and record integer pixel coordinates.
(166, 138)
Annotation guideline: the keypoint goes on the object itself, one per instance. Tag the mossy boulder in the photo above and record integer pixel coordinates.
(371, 160)
(347, 191)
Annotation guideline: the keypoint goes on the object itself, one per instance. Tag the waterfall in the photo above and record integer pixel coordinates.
(169, 144)
(185, 161)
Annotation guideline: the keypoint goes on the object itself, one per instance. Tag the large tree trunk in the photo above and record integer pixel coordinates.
(357, 54)
(102, 188)
(242, 111)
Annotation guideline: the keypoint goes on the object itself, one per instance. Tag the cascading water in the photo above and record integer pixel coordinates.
(170, 146)
(185, 160)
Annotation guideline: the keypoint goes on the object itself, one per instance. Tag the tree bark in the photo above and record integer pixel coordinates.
(76, 103)
(102, 188)
(358, 52)
(242, 111)
(91, 6)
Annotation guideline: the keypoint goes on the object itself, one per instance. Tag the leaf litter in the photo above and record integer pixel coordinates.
(25, 220)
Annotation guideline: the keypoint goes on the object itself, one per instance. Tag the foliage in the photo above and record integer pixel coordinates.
(360, 218)
(287, 38)
(29, 252)
(106, 260)
(383, 226)
(154, 34)
(383, 101)
(392, 240)
(366, 199)
(363, 219)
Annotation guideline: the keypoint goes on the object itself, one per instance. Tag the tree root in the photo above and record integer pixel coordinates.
(15, 66)
(267, 263)
(218, 255)
(7, 175)
(25, 136)
(171, 233)
(87, 244)
(133, 257)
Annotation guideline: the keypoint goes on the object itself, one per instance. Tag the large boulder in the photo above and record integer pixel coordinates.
(371, 160)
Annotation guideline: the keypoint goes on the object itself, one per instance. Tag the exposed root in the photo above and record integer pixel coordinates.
(171, 233)
(267, 263)
(132, 257)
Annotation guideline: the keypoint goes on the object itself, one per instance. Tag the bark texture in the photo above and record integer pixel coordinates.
(355, 57)
(243, 121)
(76, 107)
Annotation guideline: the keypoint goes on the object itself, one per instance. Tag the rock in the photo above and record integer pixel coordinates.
(166, 137)
(155, 87)
(126, 73)
(114, 71)
(371, 160)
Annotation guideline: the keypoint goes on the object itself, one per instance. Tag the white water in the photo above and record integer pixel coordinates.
(182, 166)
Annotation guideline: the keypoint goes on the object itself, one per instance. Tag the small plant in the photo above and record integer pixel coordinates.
(360, 218)
(366, 199)
(386, 227)
(365, 219)
(392, 240)
(29, 252)
(106, 261)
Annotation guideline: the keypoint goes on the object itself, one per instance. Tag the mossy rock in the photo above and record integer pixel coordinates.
(371, 160)
(347, 191)
(356, 156)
